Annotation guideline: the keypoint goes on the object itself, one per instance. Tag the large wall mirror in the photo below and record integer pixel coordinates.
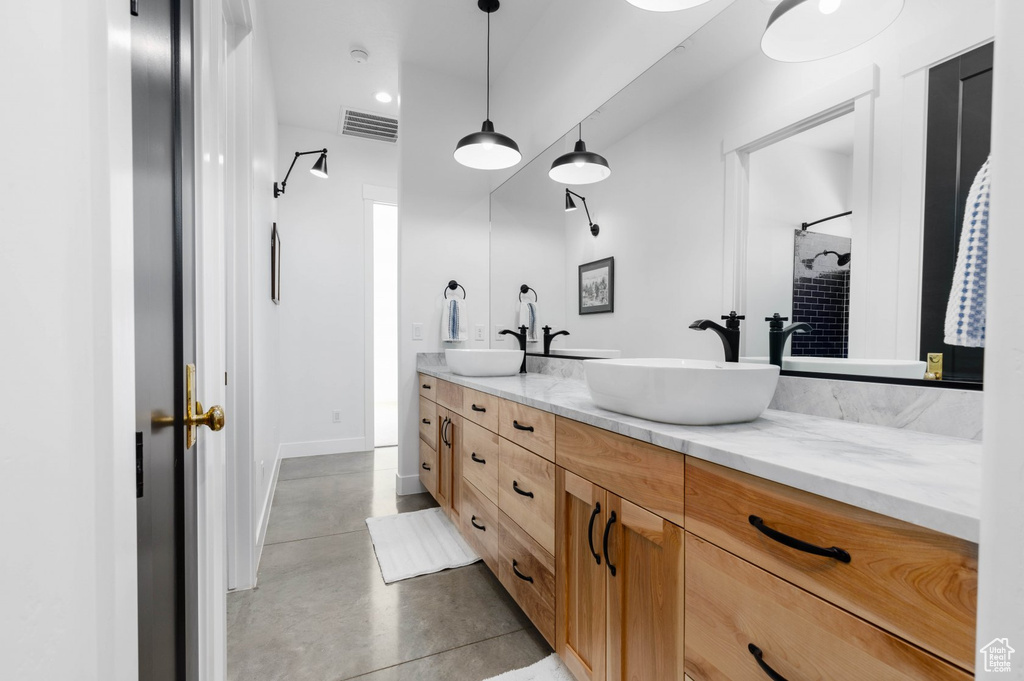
(831, 192)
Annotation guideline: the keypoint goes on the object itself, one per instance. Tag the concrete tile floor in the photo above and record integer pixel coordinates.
(321, 611)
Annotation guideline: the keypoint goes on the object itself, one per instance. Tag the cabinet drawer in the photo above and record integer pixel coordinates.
(428, 468)
(428, 422)
(649, 476)
(528, 427)
(526, 492)
(481, 408)
(527, 571)
(914, 582)
(449, 396)
(732, 605)
(428, 387)
(480, 525)
(479, 452)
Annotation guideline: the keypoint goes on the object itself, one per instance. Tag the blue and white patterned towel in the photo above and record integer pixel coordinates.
(453, 321)
(965, 312)
(528, 318)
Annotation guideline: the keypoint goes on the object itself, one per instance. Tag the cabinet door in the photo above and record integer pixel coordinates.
(581, 509)
(444, 459)
(455, 456)
(644, 561)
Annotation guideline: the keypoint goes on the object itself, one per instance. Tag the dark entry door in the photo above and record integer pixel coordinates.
(959, 137)
(164, 328)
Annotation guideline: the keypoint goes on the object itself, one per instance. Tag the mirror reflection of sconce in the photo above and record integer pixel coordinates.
(570, 206)
(319, 169)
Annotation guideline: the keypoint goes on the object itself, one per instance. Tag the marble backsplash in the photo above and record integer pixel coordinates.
(954, 413)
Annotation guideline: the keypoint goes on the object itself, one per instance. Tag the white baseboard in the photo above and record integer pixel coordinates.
(408, 484)
(291, 450)
(265, 518)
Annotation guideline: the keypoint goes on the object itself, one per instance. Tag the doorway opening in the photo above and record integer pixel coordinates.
(385, 325)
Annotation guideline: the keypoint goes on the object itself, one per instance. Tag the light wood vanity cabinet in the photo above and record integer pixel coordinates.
(440, 432)
(538, 494)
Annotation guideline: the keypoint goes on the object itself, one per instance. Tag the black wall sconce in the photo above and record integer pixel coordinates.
(570, 206)
(319, 169)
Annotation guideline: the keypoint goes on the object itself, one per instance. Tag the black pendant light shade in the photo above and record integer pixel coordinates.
(579, 166)
(805, 30)
(320, 167)
(487, 149)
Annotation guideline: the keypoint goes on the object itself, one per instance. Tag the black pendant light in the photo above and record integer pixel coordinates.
(579, 166)
(488, 150)
(805, 30)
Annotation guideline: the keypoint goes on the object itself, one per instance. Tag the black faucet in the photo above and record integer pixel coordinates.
(777, 336)
(548, 337)
(730, 334)
(521, 337)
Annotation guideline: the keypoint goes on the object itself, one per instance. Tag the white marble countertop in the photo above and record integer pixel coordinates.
(928, 480)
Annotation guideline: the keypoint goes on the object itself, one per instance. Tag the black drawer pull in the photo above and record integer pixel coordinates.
(590, 531)
(794, 543)
(474, 457)
(768, 671)
(479, 527)
(515, 424)
(607, 531)
(426, 421)
(515, 486)
(520, 575)
(426, 387)
(479, 409)
(425, 467)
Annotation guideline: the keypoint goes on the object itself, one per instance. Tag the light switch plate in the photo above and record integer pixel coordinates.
(498, 328)
(336, 416)
(480, 332)
(417, 331)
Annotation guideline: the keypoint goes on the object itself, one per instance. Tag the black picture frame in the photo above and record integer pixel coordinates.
(597, 295)
(275, 266)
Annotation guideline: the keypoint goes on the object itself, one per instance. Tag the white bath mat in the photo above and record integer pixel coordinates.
(413, 544)
(548, 669)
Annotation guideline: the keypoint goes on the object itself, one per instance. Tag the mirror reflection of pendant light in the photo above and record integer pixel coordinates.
(805, 30)
(579, 166)
(666, 5)
(488, 150)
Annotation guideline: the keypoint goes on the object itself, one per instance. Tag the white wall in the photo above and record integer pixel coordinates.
(323, 292)
(67, 472)
(443, 232)
(1001, 589)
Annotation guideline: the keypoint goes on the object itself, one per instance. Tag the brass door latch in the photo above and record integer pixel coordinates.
(213, 418)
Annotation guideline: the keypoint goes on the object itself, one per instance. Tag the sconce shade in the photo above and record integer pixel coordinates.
(320, 167)
(666, 5)
(579, 166)
(487, 150)
(805, 30)
(570, 205)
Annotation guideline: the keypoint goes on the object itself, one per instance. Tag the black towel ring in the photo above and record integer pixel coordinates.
(523, 289)
(453, 285)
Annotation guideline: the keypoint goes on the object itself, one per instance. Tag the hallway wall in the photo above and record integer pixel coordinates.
(324, 284)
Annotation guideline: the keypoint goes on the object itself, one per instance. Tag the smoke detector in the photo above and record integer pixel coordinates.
(359, 56)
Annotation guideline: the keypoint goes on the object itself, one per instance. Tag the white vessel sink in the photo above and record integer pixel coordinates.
(889, 368)
(484, 362)
(593, 353)
(683, 391)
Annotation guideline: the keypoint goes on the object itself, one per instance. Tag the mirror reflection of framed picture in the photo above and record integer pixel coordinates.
(597, 286)
(275, 266)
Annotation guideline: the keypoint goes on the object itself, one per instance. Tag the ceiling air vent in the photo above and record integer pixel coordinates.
(369, 126)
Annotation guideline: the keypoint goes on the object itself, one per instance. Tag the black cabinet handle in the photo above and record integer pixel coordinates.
(607, 531)
(478, 460)
(444, 432)
(426, 421)
(768, 671)
(515, 424)
(425, 467)
(520, 575)
(590, 531)
(479, 409)
(794, 543)
(515, 486)
(426, 387)
(479, 527)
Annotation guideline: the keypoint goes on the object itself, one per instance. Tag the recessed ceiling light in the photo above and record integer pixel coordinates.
(383, 97)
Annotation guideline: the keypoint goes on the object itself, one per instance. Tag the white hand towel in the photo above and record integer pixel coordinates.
(453, 321)
(528, 318)
(965, 312)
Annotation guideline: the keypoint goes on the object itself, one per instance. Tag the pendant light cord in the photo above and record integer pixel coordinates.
(581, 130)
(488, 66)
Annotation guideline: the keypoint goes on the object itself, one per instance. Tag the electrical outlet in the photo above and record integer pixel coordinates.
(336, 416)
(498, 328)
(480, 332)
(417, 331)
